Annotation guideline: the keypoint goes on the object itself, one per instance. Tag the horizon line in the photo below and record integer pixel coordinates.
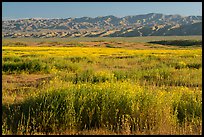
(9, 18)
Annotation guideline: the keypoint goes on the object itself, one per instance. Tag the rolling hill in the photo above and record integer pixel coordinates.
(151, 24)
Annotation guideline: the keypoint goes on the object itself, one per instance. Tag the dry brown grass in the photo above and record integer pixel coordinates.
(14, 85)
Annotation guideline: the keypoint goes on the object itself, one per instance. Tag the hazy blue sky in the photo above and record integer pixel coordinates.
(15, 10)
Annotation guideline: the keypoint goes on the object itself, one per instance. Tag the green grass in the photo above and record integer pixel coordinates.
(119, 90)
(29, 66)
(178, 42)
(102, 39)
(87, 106)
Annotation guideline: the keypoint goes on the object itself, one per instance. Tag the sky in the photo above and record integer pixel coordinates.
(17, 10)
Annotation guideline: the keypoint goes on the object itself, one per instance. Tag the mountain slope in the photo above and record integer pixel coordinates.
(107, 26)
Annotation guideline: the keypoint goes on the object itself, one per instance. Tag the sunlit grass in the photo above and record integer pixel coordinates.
(119, 90)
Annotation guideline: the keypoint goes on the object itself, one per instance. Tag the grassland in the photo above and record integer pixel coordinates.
(100, 87)
(107, 39)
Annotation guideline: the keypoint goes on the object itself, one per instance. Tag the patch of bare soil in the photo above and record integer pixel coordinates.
(15, 88)
(14, 82)
(128, 45)
(108, 44)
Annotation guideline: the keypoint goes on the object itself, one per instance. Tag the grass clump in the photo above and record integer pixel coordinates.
(188, 107)
(109, 46)
(87, 106)
(30, 66)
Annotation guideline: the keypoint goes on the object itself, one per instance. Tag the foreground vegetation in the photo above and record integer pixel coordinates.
(101, 90)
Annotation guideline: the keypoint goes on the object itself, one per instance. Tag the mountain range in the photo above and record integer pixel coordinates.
(152, 24)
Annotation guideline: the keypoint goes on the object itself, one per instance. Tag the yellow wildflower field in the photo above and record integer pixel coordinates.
(68, 90)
